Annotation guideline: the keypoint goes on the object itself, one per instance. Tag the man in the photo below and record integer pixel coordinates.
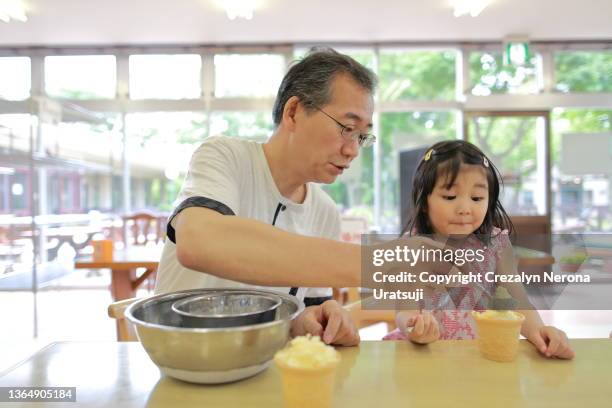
(253, 213)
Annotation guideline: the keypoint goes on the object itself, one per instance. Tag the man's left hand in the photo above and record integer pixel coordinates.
(329, 321)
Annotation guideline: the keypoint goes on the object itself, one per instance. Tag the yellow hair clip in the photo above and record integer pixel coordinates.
(428, 155)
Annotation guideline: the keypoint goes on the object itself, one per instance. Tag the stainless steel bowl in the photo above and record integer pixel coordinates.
(209, 355)
(227, 309)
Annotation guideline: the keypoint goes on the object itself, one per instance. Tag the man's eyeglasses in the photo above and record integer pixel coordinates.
(350, 133)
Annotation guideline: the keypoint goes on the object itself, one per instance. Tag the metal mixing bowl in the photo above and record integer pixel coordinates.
(227, 309)
(209, 355)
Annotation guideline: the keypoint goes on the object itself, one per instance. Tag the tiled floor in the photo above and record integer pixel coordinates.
(74, 308)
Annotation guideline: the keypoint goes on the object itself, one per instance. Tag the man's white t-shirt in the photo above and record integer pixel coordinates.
(232, 175)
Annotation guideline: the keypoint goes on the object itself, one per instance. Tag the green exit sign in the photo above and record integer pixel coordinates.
(516, 53)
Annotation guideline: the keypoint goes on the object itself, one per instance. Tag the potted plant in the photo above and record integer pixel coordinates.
(571, 263)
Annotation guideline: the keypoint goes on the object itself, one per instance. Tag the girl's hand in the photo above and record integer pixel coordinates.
(421, 328)
(551, 342)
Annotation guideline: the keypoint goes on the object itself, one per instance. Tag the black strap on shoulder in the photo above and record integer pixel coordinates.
(316, 301)
(203, 202)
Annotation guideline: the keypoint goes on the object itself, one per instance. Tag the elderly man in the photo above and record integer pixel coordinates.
(253, 214)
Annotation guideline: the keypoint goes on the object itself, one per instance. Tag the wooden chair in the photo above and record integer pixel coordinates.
(116, 310)
(533, 231)
(144, 228)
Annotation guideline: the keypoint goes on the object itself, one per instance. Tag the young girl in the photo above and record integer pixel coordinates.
(455, 199)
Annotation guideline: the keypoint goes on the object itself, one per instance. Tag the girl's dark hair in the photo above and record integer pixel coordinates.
(445, 159)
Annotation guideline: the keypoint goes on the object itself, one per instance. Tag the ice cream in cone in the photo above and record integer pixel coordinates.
(308, 369)
(499, 328)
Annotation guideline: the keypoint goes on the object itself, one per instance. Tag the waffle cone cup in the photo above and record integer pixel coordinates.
(498, 339)
(308, 387)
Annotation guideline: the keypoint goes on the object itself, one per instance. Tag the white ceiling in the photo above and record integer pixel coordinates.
(133, 22)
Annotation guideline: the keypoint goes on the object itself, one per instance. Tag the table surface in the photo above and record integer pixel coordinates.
(132, 257)
(377, 373)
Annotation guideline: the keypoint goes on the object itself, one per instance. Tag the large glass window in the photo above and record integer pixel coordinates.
(81, 76)
(165, 76)
(583, 71)
(15, 82)
(78, 177)
(421, 75)
(245, 75)
(489, 75)
(582, 170)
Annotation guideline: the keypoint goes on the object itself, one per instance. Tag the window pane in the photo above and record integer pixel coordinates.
(400, 131)
(490, 76)
(92, 144)
(583, 71)
(582, 159)
(417, 75)
(15, 134)
(15, 81)
(160, 146)
(253, 125)
(165, 76)
(84, 156)
(81, 77)
(514, 144)
(240, 75)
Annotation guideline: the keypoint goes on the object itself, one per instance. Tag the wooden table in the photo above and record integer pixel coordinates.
(379, 373)
(123, 268)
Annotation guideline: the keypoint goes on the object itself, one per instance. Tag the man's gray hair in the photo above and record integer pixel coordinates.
(310, 79)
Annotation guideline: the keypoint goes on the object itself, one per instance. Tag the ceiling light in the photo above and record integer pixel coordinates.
(471, 7)
(238, 8)
(12, 10)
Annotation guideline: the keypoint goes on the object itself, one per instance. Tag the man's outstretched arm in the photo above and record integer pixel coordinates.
(253, 252)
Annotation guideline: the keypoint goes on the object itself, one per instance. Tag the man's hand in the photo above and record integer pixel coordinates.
(551, 342)
(421, 328)
(329, 321)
